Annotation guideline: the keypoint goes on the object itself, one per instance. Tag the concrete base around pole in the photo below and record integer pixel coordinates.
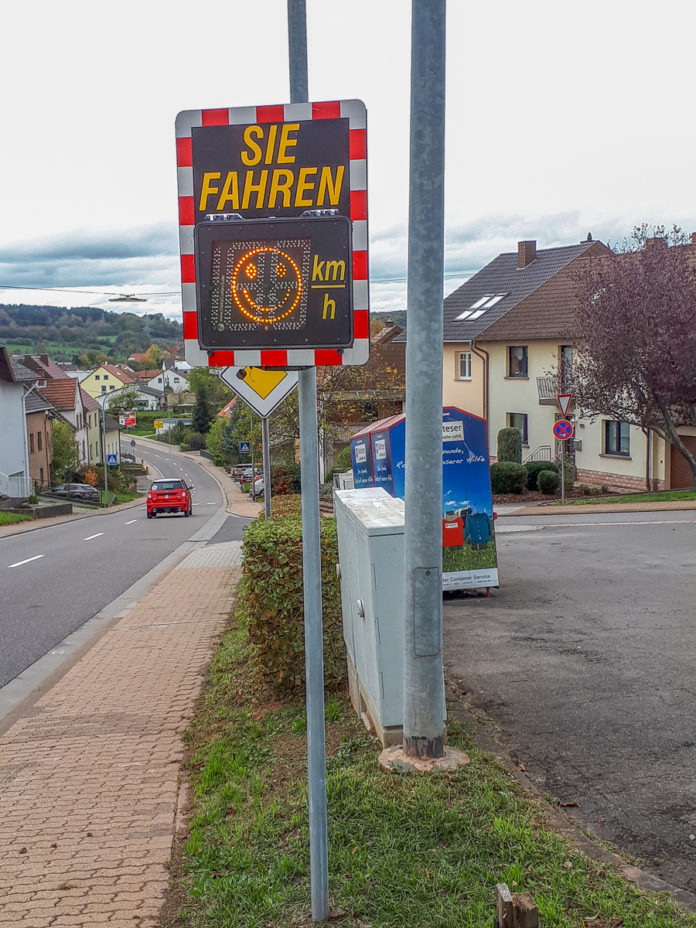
(394, 760)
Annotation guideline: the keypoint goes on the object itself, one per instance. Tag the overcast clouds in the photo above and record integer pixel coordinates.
(561, 119)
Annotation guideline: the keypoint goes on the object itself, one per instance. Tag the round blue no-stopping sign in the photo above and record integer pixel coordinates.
(563, 429)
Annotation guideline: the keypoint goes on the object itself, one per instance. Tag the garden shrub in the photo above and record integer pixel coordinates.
(534, 468)
(272, 598)
(508, 477)
(285, 478)
(548, 482)
(510, 445)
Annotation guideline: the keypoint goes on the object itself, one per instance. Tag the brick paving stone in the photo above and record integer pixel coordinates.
(89, 774)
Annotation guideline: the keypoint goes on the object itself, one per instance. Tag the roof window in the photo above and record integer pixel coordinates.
(477, 309)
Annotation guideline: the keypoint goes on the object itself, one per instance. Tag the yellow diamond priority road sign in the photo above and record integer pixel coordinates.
(263, 390)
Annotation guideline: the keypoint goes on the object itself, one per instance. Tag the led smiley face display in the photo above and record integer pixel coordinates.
(266, 284)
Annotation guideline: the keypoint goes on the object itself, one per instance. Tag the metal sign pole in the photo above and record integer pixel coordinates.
(311, 551)
(561, 449)
(424, 709)
(266, 451)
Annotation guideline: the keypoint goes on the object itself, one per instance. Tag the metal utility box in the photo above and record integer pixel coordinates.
(370, 526)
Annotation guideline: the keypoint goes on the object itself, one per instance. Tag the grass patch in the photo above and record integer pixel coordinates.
(410, 851)
(662, 496)
(10, 518)
(466, 557)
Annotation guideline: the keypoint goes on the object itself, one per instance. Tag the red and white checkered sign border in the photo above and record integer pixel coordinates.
(354, 110)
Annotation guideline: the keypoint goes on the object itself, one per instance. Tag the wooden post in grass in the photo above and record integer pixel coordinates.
(515, 910)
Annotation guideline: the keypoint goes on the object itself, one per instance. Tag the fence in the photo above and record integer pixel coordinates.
(16, 486)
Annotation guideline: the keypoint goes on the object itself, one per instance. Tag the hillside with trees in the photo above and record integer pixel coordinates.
(65, 333)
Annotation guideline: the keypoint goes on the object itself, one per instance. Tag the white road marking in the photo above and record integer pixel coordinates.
(646, 522)
(90, 537)
(19, 563)
(131, 521)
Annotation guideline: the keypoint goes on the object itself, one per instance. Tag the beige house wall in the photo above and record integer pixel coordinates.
(40, 459)
(466, 394)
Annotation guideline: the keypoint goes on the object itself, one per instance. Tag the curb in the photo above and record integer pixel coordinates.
(561, 822)
(588, 509)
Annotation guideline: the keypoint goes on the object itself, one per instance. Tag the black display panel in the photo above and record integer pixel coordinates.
(283, 283)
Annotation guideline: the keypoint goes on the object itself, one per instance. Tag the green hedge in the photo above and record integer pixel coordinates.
(510, 445)
(272, 599)
(507, 477)
(548, 481)
(534, 468)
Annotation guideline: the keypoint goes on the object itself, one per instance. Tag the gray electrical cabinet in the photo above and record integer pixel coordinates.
(370, 526)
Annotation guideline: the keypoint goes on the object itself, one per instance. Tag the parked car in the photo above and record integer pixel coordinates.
(169, 495)
(258, 486)
(80, 491)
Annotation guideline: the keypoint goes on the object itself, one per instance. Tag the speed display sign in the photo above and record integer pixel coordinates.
(273, 234)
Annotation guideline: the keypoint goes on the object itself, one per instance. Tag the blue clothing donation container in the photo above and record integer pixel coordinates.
(469, 557)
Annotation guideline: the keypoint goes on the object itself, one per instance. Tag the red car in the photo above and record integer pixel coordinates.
(169, 496)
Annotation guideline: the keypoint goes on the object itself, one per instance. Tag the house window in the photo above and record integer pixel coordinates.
(617, 438)
(96, 377)
(464, 365)
(112, 387)
(31, 443)
(103, 389)
(518, 420)
(176, 380)
(38, 441)
(517, 361)
(41, 477)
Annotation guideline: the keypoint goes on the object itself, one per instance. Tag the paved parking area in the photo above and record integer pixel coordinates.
(585, 663)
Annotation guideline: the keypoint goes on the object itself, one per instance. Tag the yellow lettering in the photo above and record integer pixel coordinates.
(207, 188)
(335, 270)
(303, 186)
(287, 142)
(327, 184)
(329, 308)
(271, 144)
(253, 156)
(281, 182)
(318, 269)
(259, 189)
(230, 192)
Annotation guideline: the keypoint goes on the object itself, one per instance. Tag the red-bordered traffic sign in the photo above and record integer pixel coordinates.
(563, 429)
(261, 162)
(564, 402)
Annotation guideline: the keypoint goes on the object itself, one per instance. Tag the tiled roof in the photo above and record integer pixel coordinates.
(118, 373)
(34, 402)
(146, 375)
(42, 364)
(502, 275)
(23, 373)
(61, 393)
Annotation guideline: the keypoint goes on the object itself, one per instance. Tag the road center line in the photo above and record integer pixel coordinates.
(90, 537)
(131, 521)
(19, 563)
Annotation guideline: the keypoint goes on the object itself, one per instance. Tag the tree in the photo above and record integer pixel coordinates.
(66, 460)
(201, 411)
(637, 338)
(123, 402)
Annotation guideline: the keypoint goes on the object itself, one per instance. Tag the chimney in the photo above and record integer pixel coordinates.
(652, 242)
(526, 253)
(693, 238)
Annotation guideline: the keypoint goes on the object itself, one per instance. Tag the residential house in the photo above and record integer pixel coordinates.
(15, 479)
(94, 426)
(65, 396)
(112, 440)
(39, 418)
(106, 379)
(508, 353)
(44, 367)
(170, 378)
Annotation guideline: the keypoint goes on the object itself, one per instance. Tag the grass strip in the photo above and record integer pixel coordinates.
(10, 518)
(662, 496)
(405, 851)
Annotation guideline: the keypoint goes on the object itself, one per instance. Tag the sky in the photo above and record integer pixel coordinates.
(562, 119)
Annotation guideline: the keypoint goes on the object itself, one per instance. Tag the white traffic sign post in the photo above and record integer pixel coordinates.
(563, 430)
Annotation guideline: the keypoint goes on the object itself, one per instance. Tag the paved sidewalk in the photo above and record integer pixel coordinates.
(89, 775)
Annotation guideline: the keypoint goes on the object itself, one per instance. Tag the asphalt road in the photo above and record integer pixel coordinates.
(585, 662)
(56, 578)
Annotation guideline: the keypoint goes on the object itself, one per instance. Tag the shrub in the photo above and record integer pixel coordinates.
(272, 598)
(508, 477)
(548, 482)
(510, 445)
(285, 478)
(534, 468)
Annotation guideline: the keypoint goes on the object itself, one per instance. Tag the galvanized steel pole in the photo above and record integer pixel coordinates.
(424, 709)
(266, 452)
(311, 551)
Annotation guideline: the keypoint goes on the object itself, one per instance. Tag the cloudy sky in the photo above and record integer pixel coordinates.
(562, 119)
